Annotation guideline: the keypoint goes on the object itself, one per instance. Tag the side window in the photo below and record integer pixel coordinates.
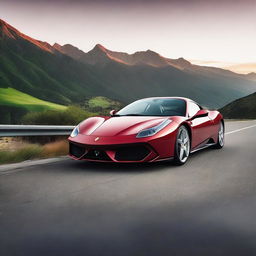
(193, 109)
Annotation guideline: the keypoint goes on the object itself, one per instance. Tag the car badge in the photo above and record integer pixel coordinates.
(96, 152)
(96, 139)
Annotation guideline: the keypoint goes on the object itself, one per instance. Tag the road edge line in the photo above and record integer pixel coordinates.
(241, 129)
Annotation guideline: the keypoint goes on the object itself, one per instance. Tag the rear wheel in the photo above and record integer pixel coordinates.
(220, 142)
(182, 146)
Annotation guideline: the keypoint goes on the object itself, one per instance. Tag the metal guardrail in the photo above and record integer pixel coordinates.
(34, 130)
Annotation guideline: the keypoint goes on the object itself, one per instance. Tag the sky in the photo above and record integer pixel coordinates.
(210, 31)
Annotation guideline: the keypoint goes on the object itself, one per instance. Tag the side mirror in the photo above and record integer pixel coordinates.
(112, 112)
(201, 113)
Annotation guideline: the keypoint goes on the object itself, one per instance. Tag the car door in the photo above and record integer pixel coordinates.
(199, 124)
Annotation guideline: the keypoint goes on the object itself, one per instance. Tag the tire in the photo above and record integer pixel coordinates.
(182, 146)
(221, 137)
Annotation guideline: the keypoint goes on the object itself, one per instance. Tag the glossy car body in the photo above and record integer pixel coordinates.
(115, 138)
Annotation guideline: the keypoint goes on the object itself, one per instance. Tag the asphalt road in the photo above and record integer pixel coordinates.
(207, 207)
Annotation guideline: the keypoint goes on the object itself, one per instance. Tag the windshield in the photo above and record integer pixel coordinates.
(155, 107)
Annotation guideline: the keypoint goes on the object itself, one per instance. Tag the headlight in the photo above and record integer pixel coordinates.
(153, 130)
(75, 132)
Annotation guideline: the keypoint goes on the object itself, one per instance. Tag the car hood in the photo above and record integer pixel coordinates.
(118, 126)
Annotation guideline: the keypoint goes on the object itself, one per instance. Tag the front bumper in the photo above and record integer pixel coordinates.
(139, 152)
(123, 149)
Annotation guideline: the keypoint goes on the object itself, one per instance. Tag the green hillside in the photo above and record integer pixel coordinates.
(15, 104)
(12, 97)
(244, 108)
(103, 104)
(99, 101)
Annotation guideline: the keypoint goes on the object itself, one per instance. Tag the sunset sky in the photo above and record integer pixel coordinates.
(221, 31)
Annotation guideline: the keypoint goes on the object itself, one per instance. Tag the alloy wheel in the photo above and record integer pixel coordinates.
(221, 135)
(183, 145)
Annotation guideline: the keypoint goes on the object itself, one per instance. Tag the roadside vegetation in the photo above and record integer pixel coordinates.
(101, 105)
(34, 151)
(70, 116)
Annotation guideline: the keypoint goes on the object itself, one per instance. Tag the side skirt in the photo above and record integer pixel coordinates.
(207, 145)
(163, 159)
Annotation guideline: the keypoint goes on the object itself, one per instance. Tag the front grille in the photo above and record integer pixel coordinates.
(76, 150)
(131, 153)
(122, 153)
(94, 154)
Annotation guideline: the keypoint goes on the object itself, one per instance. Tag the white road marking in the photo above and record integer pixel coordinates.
(238, 130)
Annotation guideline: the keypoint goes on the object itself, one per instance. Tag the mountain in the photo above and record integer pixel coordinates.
(147, 69)
(69, 50)
(37, 68)
(251, 76)
(9, 32)
(65, 74)
(243, 108)
(100, 55)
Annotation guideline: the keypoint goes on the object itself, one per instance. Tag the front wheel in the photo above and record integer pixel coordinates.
(182, 146)
(220, 142)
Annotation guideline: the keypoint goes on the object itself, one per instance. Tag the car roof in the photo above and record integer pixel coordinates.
(168, 97)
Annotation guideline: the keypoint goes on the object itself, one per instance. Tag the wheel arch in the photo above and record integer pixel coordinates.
(222, 120)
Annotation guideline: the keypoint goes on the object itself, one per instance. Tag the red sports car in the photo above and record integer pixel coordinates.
(148, 130)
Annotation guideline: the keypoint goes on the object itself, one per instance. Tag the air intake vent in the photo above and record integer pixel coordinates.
(131, 153)
(75, 150)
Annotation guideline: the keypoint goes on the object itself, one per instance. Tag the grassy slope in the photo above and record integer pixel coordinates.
(103, 102)
(244, 108)
(12, 97)
(99, 102)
